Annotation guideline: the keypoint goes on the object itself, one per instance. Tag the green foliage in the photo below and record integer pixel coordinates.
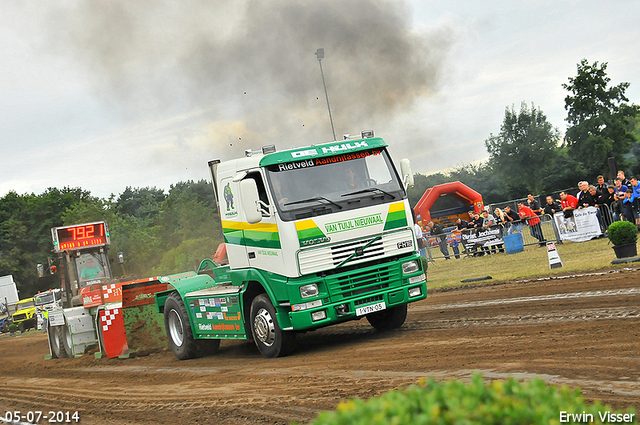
(25, 235)
(622, 232)
(155, 231)
(601, 122)
(524, 151)
(13, 328)
(454, 402)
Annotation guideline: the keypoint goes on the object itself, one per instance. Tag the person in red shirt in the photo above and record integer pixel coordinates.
(569, 203)
(533, 221)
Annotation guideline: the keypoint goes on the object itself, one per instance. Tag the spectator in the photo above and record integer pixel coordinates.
(511, 217)
(422, 243)
(533, 221)
(534, 204)
(602, 185)
(608, 196)
(499, 215)
(461, 224)
(551, 207)
(598, 198)
(635, 198)
(608, 214)
(587, 199)
(627, 207)
(598, 202)
(618, 196)
(487, 219)
(568, 203)
(624, 180)
(455, 242)
(477, 221)
(584, 189)
(438, 231)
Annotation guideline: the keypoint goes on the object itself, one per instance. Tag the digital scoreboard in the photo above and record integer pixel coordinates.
(80, 236)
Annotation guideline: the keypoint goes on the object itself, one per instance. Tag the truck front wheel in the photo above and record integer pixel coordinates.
(391, 318)
(269, 338)
(178, 327)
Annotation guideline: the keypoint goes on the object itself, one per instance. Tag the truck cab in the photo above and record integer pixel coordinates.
(314, 236)
(25, 314)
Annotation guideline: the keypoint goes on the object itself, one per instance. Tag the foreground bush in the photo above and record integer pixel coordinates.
(454, 402)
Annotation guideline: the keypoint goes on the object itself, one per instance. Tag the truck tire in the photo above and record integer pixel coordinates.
(178, 328)
(391, 318)
(22, 328)
(55, 340)
(269, 338)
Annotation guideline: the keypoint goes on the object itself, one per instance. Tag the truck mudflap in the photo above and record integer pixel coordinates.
(328, 314)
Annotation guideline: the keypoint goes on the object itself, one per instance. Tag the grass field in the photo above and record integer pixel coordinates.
(533, 261)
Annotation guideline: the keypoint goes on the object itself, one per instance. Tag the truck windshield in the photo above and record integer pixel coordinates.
(45, 298)
(24, 304)
(320, 186)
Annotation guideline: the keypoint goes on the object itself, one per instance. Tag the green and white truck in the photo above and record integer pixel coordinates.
(314, 236)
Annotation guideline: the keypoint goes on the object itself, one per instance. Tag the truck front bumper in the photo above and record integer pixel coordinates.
(356, 308)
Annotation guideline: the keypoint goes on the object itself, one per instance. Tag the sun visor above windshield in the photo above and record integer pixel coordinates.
(322, 151)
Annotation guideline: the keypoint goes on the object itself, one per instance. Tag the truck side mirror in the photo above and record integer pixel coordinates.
(250, 201)
(407, 174)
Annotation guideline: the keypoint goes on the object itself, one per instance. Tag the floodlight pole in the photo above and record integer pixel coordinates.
(320, 55)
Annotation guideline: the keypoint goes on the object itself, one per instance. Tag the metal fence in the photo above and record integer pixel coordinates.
(443, 246)
(545, 231)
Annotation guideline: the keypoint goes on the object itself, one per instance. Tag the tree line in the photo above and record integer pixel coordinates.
(159, 233)
(168, 232)
(529, 155)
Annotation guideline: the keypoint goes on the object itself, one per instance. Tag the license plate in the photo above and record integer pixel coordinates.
(361, 311)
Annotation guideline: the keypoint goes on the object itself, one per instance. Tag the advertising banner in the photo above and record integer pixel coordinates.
(582, 226)
(475, 238)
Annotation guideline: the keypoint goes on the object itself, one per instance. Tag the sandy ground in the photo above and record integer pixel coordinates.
(580, 332)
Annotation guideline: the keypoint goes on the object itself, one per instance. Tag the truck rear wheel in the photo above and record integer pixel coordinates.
(269, 338)
(391, 318)
(178, 328)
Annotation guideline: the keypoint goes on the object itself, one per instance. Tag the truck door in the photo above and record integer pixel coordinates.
(262, 240)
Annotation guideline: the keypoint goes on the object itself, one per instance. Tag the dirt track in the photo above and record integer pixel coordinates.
(577, 332)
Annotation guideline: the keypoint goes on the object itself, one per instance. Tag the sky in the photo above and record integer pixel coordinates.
(104, 95)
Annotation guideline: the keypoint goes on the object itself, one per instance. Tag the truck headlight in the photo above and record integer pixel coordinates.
(310, 290)
(318, 315)
(410, 267)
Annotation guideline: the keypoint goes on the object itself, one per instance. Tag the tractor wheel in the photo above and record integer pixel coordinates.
(55, 340)
(178, 328)
(391, 318)
(65, 337)
(269, 338)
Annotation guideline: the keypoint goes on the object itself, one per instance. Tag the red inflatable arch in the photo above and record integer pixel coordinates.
(456, 189)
